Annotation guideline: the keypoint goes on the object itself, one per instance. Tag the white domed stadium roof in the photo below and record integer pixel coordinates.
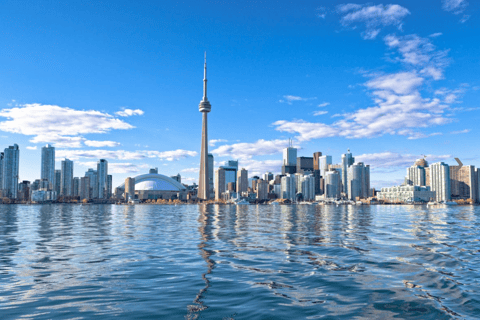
(156, 182)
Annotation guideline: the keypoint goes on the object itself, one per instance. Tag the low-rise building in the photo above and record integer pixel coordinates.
(406, 194)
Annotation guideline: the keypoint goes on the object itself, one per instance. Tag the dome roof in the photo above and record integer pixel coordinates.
(156, 182)
(421, 162)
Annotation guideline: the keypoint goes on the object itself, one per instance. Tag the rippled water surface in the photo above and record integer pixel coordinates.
(239, 262)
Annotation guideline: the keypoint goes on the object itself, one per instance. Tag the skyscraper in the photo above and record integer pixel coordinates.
(347, 160)
(58, 181)
(10, 171)
(220, 183)
(324, 161)
(1, 170)
(48, 165)
(92, 175)
(204, 107)
(242, 181)
(102, 173)
(211, 176)
(66, 181)
(440, 181)
(289, 160)
(316, 160)
(358, 181)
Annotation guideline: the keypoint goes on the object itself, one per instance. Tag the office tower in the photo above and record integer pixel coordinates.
(84, 188)
(242, 181)
(153, 171)
(66, 180)
(316, 160)
(177, 178)
(358, 181)
(347, 160)
(324, 161)
(268, 176)
(76, 187)
(415, 176)
(231, 169)
(231, 186)
(220, 183)
(58, 181)
(304, 165)
(211, 176)
(278, 179)
(262, 189)
(92, 175)
(288, 187)
(48, 165)
(11, 159)
(440, 181)
(129, 188)
(204, 107)
(306, 186)
(463, 182)
(332, 185)
(289, 160)
(23, 190)
(102, 173)
(253, 182)
(317, 176)
(110, 185)
(478, 184)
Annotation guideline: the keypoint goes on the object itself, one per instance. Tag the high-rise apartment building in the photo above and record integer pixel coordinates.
(10, 166)
(262, 189)
(76, 187)
(1, 171)
(416, 176)
(440, 181)
(129, 188)
(110, 186)
(48, 165)
(242, 181)
(211, 176)
(333, 185)
(58, 182)
(358, 181)
(287, 188)
(66, 181)
(92, 176)
(306, 186)
(84, 188)
(220, 183)
(347, 161)
(102, 173)
(463, 182)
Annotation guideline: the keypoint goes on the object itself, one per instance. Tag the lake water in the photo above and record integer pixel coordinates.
(239, 262)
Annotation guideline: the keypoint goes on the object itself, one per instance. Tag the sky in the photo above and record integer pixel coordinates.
(121, 80)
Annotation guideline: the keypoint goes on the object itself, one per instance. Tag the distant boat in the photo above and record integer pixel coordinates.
(243, 201)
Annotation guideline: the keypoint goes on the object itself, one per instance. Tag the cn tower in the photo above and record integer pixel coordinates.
(204, 107)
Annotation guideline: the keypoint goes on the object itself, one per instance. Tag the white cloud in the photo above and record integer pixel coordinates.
(117, 167)
(32, 148)
(321, 12)
(455, 6)
(419, 135)
(374, 17)
(324, 104)
(395, 160)
(129, 112)
(464, 18)
(460, 132)
(247, 150)
(435, 35)
(61, 126)
(319, 113)
(123, 155)
(192, 170)
(259, 167)
(419, 53)
(289, 99)
(213, 142)
(99, 144)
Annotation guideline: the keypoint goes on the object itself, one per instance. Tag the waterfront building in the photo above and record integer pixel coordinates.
(440, 181)
(66, 180)
(84, 188)
(333, 185)
(358, 181)
(324, 161)
(288, 187)
(347, 161)
(304, 165)
(242, 181)
(129, 188)
(262, 189)
(204, 107)
(110, 186)
(406, 194)
(154, 186)
(10, 169)
(1, 171)
(48, 165)
(306, 186)
(211, 176)
(277, 189)
(23, 190)
(220, 183)
(102, 173)
(92, 177)
(231, 168)
(76, 187)
(463, 182)
(317, 176)
(58, 181)
(415, 176)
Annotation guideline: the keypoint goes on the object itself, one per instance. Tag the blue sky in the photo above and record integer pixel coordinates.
(121, 80)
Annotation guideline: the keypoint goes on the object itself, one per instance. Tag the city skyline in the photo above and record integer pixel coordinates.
(406, 90)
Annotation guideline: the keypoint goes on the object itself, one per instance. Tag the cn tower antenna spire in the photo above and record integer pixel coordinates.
(205, 79)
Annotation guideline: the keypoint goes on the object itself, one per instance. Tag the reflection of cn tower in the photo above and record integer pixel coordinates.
(205, 219)
(204, 107)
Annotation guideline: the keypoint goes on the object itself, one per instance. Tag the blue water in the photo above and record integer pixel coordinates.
(245, 262)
